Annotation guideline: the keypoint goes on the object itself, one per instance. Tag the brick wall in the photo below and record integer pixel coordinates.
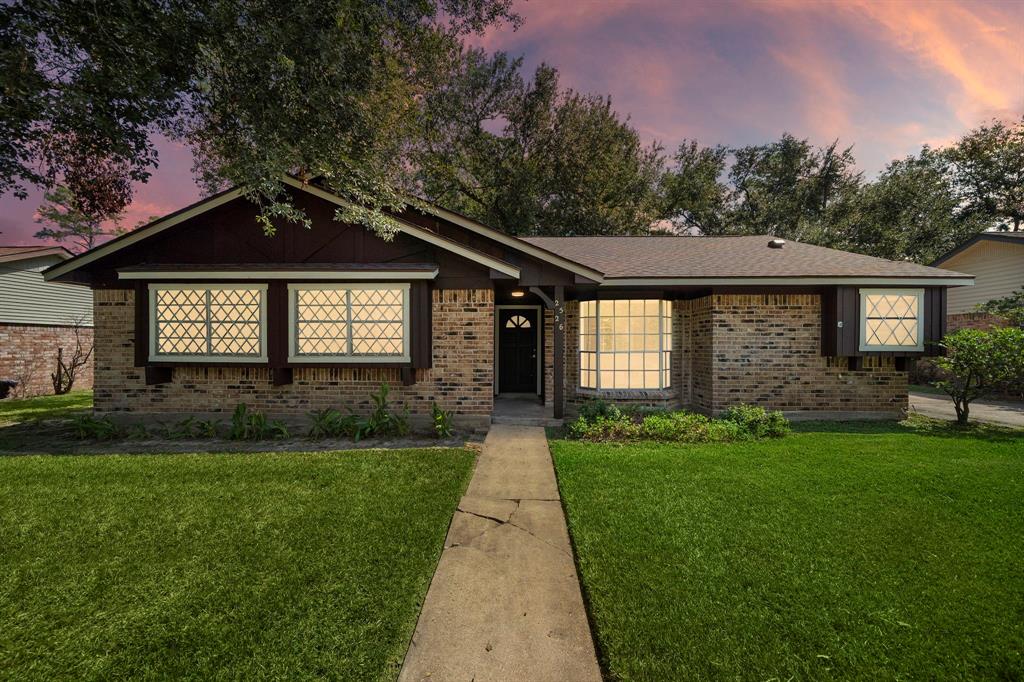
(461, 379)
(754, 349)
(28, 355)
(984, 321)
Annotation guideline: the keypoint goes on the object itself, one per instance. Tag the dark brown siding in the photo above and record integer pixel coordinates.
(842, 305)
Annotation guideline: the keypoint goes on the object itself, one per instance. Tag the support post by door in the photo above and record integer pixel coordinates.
(559, 349)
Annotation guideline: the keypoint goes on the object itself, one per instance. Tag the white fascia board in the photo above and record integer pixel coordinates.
(788, 281)
(153, 228)
(416, 231)
(348, 275)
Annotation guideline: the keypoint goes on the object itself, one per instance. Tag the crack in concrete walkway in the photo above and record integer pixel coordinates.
(505, 602)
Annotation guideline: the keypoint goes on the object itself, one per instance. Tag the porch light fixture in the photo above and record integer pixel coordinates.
(518, 293)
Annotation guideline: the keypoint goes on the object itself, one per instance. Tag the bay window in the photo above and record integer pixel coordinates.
(348, 322)
(625, 344)
(890, 319)
(208, 322)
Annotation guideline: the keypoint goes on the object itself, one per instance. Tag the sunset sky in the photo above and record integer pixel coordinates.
(885, 77)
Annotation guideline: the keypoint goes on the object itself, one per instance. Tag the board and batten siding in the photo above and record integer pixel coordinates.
(998, 268)
(26, 299)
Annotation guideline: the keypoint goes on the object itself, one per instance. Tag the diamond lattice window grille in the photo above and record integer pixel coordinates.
(208, 321)
(350, 322)
(891, 320)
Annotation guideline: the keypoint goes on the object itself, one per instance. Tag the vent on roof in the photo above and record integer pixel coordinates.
(776, 243)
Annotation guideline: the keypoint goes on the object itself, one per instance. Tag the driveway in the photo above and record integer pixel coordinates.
(990, 411)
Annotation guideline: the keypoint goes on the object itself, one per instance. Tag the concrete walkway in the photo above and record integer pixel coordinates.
(990, 411)
(505, 602)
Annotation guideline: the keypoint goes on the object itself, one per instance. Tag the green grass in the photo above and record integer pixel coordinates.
(856, 551)
(241, 566)
(44, 407)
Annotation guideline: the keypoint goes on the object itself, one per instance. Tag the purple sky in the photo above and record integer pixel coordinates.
(885, 77)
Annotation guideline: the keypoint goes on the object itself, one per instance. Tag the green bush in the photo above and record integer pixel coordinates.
(743, 423)
(382, 421)
(591, 410)
(332, 424)
(442, 421)
(87, 427)
(246, 425)
(757, 421)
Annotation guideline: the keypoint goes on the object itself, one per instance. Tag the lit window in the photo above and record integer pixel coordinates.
(207, 322)
(891, 319)
(517, 322)
(625, 344)
(349, 322)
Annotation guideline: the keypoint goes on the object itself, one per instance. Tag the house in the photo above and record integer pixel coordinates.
(199, 311)
(996, 259)
(37, 318)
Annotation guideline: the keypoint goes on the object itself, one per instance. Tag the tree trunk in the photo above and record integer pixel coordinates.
(963, 409)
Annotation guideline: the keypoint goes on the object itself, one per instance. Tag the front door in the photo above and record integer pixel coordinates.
(517, 350)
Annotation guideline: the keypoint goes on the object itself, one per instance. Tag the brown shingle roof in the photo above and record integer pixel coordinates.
(714, 257)
(12, 253)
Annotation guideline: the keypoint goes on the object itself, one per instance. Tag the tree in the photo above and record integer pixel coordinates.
(693, 195)
(1010, 307)
(910, 212)
(792, 189)
(65, 221)
(978, 363)
(67, 369)
(987, 167)
(532, 158)
(325, 88)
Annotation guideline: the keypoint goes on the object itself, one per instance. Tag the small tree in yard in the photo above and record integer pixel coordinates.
(977, 363)
(68, 367)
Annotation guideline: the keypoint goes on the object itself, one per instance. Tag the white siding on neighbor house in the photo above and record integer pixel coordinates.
(998, 268)
(26, 299)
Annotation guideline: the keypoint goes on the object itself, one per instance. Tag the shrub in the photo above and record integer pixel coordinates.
(382, 421)
(332, 424)
(95, 428)
(743, 423)
(246, 425)
(591, 410)
(757, 421)
(980, 363)
(442, 421)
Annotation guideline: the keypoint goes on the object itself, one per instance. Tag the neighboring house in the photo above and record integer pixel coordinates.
(37, 318)
(996, 259)
(199, 311)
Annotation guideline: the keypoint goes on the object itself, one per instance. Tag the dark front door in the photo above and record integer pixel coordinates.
(517, 350)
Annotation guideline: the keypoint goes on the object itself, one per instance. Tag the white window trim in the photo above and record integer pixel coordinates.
(294, 357)
(597, 388)
(154, 356)
(863, 335)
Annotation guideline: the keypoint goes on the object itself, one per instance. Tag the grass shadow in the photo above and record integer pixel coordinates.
(915, 424)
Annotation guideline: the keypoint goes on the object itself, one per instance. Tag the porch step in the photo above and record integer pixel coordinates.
(525, 421)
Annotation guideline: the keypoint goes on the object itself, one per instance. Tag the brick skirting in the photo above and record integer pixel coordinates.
(28, 355)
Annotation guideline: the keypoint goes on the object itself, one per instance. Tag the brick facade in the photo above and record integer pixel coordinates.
(757, 349)
(461, 379)
(983, 321)
(28, 355)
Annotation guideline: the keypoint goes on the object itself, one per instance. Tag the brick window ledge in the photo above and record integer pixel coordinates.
(627, 393)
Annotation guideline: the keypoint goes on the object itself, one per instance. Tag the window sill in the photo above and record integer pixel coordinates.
(627, 393)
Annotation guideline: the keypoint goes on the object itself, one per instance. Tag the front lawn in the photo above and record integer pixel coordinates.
(16, 411)
(230, 566)
(865, 551)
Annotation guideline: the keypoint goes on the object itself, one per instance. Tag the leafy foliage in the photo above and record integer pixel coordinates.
(442, 421)
(329, 423)
(88, 427)
(601, 424)
(987, 167)
(978, 363)
(329, 88)
(532, 157)
(1010, 307)
(254, 425)
(382, 421)
(65, 220)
